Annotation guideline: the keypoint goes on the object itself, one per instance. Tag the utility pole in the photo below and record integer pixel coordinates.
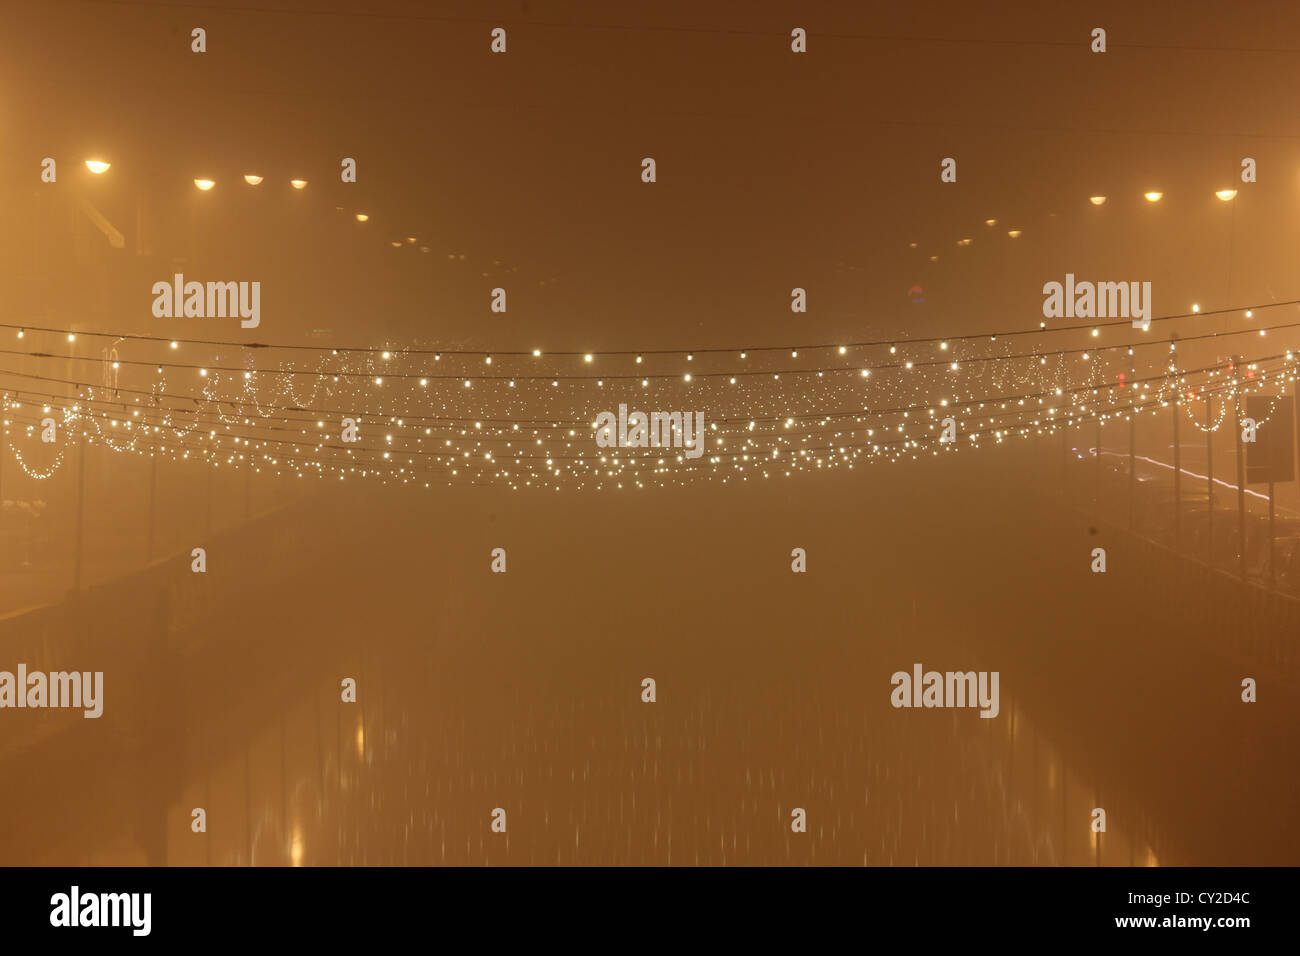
(153, 492)
(1065, 473)
(81, 511)
(1241, 478)
(1272, 546)
(1132, 456)
(1178, 483)
(1096, 494)
(1209, 473)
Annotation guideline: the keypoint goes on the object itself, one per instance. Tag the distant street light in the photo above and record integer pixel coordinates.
(1097, 200)
(298, 183)
(252, 179)
(1153, 197)
(204, 184)
(1227, 195)
(362, 217)
(97, 166)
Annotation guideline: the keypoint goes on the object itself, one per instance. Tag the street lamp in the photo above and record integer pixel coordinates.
(204, 184)
(97, 166)
(298, 183)
(1153, 196)
(252, 179)
(1227, 195)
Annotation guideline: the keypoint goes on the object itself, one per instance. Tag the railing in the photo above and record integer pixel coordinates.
(126, 627)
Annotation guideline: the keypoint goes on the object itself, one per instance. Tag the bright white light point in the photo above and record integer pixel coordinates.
(488, 360)
(97, 166)
(587, 358)
(843, 350)
(175, 345)
(385, 355)
(71, 337)
(379, 381)
(537, 353)
(467, 383)
(688, 376)
(203, 371)
(1250, 314)
(943, 345)
(1196, 307)
(204, 184)
(424, 381)
(298, 183)
(866, 372)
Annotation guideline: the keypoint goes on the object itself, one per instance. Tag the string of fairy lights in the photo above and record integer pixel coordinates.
(824, 455)
(418, 421)
(531, 416)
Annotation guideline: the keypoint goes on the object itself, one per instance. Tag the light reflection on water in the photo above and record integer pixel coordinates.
(527, 698)
(599, 783)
